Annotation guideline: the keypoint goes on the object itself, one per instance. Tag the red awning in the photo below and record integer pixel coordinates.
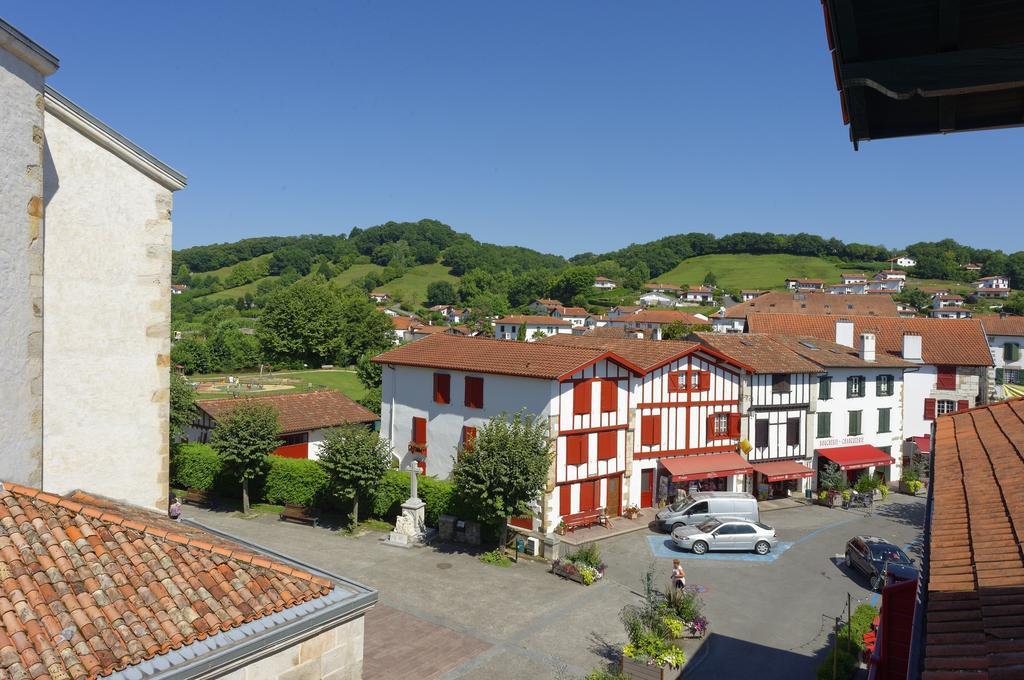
(685, 468)
(781, 470)
(924, 443)
(856, 457)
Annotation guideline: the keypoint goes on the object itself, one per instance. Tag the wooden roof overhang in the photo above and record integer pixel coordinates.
(915, 67)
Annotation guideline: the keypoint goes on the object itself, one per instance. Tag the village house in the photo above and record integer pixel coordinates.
(949, 306)
(379, 296)
(577, 316)
(904, 261)
(746, 295)
(535, 327)
(656, 298)
(655, 321)
(623, 310)
(304, 417)
(890, 275)
(1005, 338)
(853, 277)
(971, 267)
(604, 283)
(544, 306)
(805, 284)
(178, 288)
(993, 287)
(402, 326)
(734, 319)
(887, 282)
(950, 357)
(674, 291)
(419, 330)
(858, 288)
(450, 313)
(905, 311)
(699, 295)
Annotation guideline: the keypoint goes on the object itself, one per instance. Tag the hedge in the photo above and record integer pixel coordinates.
(438, 494)
(196, 466)
(849, 644)
(294, 481)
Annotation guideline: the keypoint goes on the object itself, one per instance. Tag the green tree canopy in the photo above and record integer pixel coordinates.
(440, 293)
(303, 322)
(183, 407)
(244, 438)
(355, 459)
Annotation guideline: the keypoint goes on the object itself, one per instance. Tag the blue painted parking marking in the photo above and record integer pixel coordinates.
(664, 547)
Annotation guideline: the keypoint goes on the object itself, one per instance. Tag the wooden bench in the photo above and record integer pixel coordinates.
(585, 519)
(204, 499)
(300, 513)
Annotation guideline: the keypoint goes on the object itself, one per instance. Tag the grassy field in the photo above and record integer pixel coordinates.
(225, 272)
(751, 271)
(343, 380)
(238, 291)
(412, 286)
(354, 272)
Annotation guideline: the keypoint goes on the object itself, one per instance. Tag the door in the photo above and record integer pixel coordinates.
(646, 488)
(614, 496)
(743, 537)
(722, 537)
(697, 514)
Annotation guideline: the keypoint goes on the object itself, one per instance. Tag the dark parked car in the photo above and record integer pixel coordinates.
(875, 556)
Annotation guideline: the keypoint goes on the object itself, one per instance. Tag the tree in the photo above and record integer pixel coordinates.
(710, 279)
(637, 275)
(368, 371)
(440, 293)
(362, 329)
(505, 469)
(677, 330)
(183, 407)
(371, 400)
(355, 460)
(184, 276)
(244, 438)
(1014, 304)
(303, 322)
(521, 332)
(915, 297)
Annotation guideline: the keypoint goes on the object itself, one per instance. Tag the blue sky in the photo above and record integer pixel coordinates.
(565, 126)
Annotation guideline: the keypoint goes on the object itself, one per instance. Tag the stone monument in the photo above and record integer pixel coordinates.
(410, 527)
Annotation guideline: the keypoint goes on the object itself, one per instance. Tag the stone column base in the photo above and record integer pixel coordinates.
(410, 528)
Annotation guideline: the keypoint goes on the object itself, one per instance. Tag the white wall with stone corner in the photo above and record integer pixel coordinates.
(335, 654)
(23, 68)
(107, 322)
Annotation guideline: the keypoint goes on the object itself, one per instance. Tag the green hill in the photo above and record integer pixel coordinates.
(751, 271)
(412, 286)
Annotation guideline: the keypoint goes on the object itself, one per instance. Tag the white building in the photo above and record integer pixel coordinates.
(450, 313)
(904, 261)
(856, 288)
(993, 287)
(544, 307)
(701, 295)
(85, 270)
(1005, 340)
(604, 283)
(746, 295)
(623, 310)
(653, 298)
(891, 275)
(654, 321)
(886, 285)
(853, 277)
(536, 327)
(577, 316)
(949, 307)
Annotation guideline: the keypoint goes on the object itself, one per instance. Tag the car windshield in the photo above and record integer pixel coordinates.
(709, 526)
(681, 503)
(763, 527)
(889, 553)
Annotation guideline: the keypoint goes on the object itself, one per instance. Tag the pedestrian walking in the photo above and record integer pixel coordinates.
(678, 575)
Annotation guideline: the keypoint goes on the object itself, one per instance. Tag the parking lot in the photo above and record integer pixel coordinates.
(443, 614)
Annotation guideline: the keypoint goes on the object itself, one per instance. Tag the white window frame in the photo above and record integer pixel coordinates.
(944, 406)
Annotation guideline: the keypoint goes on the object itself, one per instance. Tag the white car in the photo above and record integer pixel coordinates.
(726, 533)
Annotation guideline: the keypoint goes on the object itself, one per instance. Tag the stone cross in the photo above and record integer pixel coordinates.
(413, 483)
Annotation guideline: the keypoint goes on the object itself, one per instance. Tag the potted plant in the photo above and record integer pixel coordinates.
(582, 565)
(651, 628)
(560, 529)
(910, 481)
(631, 512)
(832, 481)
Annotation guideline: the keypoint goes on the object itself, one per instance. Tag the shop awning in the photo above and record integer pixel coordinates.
(686, 468)
(781, 470)
(924, 443)
(856, 457)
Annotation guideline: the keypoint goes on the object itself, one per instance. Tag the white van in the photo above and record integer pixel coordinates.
(698, 507)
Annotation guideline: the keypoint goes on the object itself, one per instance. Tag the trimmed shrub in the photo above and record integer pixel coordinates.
(195, 466)
(293, 480)
(392, 492)
(438, 494)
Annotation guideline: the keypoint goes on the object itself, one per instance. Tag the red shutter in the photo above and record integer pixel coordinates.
(468, 437)
(946, 379)
(576, 449)
(607, 445)
(704, 381)
(673, 381)
(962, 405)
(442, 388)
(419, 430)
(565, 499)
(421, 465)
(586, 496)
(711, 428)
(929, 409)
(734, 424)
(609, 396)
(650, 430)
(474, 392)
(581, 398)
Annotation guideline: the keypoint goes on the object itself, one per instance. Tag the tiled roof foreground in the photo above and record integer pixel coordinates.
(975, 614)
(299, 411)
(86, 590)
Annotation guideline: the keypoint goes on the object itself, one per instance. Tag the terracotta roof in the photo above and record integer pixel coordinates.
(951, 342)
(610, 331)
(662, 316)
(548, 303)
(629, 309)
(1008, 325)
(761, 352)
(816, 281)
(533, 320)
(299, 411)
(661, 286)
(87, 591)
(646, 354)
(572, 311)
(991, 278)
(829, 354)
(975, 565)
(426, 329)
(503, 357)
(402, 323)
(813, 303)
(698, 289)
(603, 278)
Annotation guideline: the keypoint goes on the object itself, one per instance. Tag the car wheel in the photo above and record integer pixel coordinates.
(700, 547)
(762, 548)
(876, 582)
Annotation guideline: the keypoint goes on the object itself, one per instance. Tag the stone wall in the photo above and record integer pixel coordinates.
(21, 263)
(335, 654)
(107, 322)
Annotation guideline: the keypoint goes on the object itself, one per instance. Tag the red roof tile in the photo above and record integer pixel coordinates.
(646, 354)
(533, 320)
(813, 303)
(1009, 325)
(299, 411)
(975, 603)
(572, 311)
(763, 353)
(85, 591)
(952, 342)
(661, 316)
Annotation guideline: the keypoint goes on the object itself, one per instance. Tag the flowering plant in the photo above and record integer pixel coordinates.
(699, 626)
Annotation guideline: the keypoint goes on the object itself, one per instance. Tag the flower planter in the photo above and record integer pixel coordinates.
(905, 488)
(640, 670)
(569, 571)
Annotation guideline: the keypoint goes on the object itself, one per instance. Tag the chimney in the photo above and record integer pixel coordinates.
(867, 346)
(844, 333)
(911, 347)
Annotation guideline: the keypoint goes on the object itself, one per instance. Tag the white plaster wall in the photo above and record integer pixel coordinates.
(917, 386)
(21, 269)
(408, 392)
(106, 329)
(995, 344)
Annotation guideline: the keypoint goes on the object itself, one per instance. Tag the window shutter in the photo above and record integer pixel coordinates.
(761, 433)
(999, 376)
(442, 388)
(711, 427)
(825, 388)
(704, 381)
(609, 396)
(734, 424)
(673, 381)
(576, 450)
(793, 432)
(962, 405)
(849, 387)
(1016, 352)
(581, 398)
(474, 392)
(929, 409)
(419, 430)
(824, 425)
(650, 430)
(468, 437)
(946, 379)
(565, 499)
(607, 445)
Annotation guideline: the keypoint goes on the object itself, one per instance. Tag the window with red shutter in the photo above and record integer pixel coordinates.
(468, 437)
(442, 388)
(734, 424)
(419, 430)
(607, 445)
(929, 409)
(704, 381)
(581, 398)
(576, 449)
(609, 396)
(946, 378)
(676, 381)
(565, 499)
(718, 426)
(650, 430)
(962, 405)
(474, 392)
